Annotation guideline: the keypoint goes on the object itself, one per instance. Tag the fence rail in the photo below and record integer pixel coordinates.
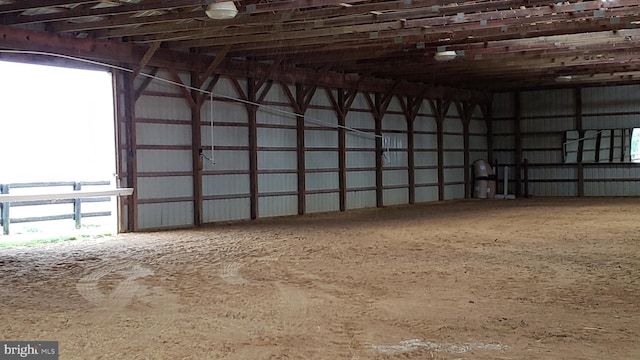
(76, 215)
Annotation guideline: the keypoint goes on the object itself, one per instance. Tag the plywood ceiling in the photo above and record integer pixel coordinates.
(499, 44)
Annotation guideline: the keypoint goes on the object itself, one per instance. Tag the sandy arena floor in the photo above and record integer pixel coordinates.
(522, 279)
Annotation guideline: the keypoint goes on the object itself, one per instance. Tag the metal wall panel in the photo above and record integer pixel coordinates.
(320, 118)
(360, 120)
(169, 214)
(226, 210)
(394, 122)
(361, 159)
(163, 134)
(321, 181)
(395, 196)
(166, 108)
(225, 135)
(452, 192)
(546, 124)
(361, 179)
(361, 199)
(455, 142)
(619, 121)
(225, 184)
(321, 138)
(278, 160)
(360, 102)
(322, 202)
(426, 176)
(269, 206)
(426, 194)
(269, 137)
(502, 106)
(225, 89)
(425, 123)
(454, 158)
(165, 187)
(224, 111)
(164, 160)
(231, 160)
(320, 98)
(275, 115)
(273, 183)
(394, 105)
(395, 178)
(547, 103)
(321, 159)
(621, 99)
(426, 158)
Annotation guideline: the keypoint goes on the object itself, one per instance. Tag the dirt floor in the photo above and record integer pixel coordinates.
(521, 279)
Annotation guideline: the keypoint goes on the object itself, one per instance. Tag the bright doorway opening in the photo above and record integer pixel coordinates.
(57, 134)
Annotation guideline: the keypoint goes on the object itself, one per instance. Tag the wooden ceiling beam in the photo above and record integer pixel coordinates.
(20, 6)
(103, 11)
(119, 53)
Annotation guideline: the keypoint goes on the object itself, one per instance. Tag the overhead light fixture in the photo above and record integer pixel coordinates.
(445, 55)
(221, 10)
(564, 78)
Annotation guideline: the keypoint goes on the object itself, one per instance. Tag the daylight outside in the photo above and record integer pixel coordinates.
(56, 131)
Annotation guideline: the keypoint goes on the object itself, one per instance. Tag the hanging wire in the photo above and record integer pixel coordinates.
(211, 93)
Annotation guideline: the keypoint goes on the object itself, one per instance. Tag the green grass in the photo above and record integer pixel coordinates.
(50, 240)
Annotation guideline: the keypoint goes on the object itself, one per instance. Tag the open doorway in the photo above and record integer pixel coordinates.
(56, 135)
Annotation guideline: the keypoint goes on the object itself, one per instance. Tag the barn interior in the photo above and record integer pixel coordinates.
(339, 139)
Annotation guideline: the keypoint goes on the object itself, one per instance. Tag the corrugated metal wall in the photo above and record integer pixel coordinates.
(395, 171)
(549, 121)
(612, 110)
(277, 157)
(361, 156)
(453, 155)
(225, 185)
(321, 155)
(163, 150)
(426, 155)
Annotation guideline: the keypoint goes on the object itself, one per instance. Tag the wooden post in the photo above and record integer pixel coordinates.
(196, 149)
(411, 158)
(526, 177)
(253, 147)
(578, 111)
(301, 150)
(342, 149)
(132, 163)
(379, 164)
(77, 211)
(488, 118)
(4, 207)
(518, 143)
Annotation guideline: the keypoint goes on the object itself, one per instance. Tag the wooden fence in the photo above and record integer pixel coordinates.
(76, 215)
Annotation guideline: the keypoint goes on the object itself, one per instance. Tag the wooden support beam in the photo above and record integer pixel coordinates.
(132, 163)
(126, 53)
(487, 112)
(379, 164)
(145, 83)
(342, 147)
(465, 111)
(341, 108)
(147, 56)
(214, 65)
(440, 108)
(183, 89)
(270, 71)
(577, 93)
(196, 151)
(300, 147)
(253, 147)
(517, 106)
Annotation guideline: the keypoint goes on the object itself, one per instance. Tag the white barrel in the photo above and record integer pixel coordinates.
(480, 169)
(480, 189)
